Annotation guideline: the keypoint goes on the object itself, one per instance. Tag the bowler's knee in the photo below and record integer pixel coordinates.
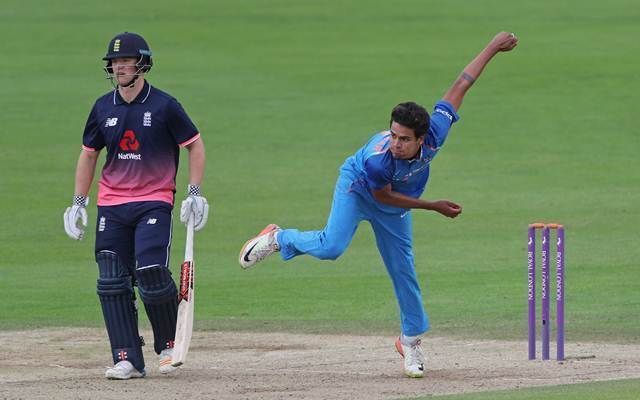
(332, 251)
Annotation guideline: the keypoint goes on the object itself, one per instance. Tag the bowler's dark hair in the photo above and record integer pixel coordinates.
(412, 116)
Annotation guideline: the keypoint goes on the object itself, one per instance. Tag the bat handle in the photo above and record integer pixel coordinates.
(188, 249)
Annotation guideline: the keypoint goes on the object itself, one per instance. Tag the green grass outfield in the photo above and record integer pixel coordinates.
(282, 92)
(619, 390)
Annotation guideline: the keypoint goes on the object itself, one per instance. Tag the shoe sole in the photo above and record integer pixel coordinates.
(119, 378)
(124, 378)
(269, 228)
(412, 375)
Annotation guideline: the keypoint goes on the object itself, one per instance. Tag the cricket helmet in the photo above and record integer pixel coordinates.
(129, 44)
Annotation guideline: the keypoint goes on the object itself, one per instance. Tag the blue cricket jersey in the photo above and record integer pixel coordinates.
(372, 167)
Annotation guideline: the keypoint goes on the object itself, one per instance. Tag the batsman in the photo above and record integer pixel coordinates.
(142, 129)
(381, 183)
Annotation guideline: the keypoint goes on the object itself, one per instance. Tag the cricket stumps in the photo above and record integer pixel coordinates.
(545, 286)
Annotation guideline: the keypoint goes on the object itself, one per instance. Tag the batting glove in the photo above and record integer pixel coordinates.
(75, 217)
(195, 204)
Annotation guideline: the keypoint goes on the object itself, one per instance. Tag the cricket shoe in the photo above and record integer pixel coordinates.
(413, 358)
(124, 370)
(166, 359)
(260, 247)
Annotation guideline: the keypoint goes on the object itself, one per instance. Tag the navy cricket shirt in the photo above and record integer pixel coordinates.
(143, 140)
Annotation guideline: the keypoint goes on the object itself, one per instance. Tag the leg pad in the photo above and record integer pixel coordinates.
(160, 297)
(115, 290)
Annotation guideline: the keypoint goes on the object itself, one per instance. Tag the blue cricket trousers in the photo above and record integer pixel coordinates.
(393, 238)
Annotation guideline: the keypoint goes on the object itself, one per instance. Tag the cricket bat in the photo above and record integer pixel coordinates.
(184, 323)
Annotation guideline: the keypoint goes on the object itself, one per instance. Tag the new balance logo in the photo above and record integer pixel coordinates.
(102, 224)
(152, 221)
(111, 122)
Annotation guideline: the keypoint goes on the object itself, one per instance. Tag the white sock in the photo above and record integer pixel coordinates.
(409, 340)
(275, 239)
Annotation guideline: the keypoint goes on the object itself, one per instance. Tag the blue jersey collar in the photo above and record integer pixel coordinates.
(418, 156)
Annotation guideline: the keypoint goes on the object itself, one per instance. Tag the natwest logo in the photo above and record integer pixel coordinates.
(129, 141)
(129, 156)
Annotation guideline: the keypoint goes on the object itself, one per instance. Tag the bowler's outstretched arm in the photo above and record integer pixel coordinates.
(503, 41)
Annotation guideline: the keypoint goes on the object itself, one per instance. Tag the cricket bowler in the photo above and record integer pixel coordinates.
(381, 183)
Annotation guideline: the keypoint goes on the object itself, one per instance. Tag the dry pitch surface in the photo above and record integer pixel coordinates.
(70, 363)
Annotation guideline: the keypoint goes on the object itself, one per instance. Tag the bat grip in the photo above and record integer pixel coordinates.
(188, 248)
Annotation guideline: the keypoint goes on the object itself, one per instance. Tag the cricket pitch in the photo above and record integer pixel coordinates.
(69, 363)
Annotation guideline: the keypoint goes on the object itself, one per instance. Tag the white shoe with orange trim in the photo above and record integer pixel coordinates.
(413, 358)
(259, 247)
(165, 361)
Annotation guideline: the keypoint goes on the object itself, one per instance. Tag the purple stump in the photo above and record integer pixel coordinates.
(545, 292)
(531, 288)
(560, 293)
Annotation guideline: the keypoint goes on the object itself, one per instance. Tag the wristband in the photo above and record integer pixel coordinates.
(194, 190)
(79, 200)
